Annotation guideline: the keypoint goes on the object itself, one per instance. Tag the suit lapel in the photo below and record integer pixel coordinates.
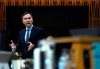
(33, 32)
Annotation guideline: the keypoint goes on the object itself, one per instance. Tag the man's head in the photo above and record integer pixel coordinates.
(27, 19)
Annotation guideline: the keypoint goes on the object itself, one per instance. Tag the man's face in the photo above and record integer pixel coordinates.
(27, 20)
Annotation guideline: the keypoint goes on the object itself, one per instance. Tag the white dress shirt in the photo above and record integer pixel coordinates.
(29, 31)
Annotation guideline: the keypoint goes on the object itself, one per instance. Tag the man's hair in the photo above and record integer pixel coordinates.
(26, 13)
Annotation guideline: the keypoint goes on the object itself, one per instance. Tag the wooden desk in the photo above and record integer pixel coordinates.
(81, 45)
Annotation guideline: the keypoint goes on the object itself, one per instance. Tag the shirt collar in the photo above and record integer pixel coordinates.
(29, 28)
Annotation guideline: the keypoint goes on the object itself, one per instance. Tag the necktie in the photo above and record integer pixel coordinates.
(27, 36)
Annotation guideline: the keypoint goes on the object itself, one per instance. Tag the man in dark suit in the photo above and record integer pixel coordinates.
(28, 37)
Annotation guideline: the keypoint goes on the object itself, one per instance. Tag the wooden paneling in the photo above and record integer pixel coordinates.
(94, 14)
(94, 8)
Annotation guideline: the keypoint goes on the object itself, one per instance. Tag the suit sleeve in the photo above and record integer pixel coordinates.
(19, 45)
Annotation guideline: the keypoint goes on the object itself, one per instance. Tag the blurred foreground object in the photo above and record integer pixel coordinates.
(44, 54)
(22, 64)
(64, 59)
(82, 53)
(96, 54)
(80, 56)
(4, 59)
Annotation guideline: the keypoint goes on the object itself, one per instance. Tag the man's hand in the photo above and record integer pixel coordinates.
(12, 45)
(30, 46)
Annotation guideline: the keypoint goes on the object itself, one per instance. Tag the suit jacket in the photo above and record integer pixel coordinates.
(36, 34)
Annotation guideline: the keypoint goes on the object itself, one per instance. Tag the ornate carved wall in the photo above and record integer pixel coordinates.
(94, 8)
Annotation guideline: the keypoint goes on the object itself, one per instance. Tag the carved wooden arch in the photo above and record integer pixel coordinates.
(94, 8)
